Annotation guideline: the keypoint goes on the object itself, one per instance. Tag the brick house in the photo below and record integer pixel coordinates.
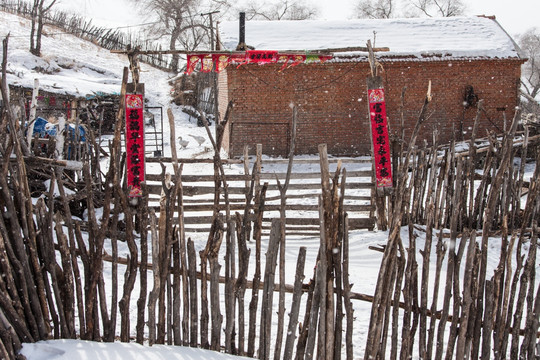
(466, 58)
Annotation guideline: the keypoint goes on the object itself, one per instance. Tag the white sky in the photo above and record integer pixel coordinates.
(516, 16)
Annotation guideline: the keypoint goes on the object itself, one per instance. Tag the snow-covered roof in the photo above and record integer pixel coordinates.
(441, 38)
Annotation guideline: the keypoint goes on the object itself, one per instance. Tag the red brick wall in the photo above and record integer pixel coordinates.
(332, 108)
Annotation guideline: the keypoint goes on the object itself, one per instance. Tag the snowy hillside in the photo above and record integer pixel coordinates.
(69, 65)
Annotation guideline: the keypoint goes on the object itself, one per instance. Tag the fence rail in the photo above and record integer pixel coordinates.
(302, 198)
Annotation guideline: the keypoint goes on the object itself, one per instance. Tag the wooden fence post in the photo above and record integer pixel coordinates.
(268, 291)
(295, 305)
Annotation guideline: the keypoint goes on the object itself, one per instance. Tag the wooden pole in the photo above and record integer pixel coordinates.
(295, 305)
(282, 215)
(268, 293)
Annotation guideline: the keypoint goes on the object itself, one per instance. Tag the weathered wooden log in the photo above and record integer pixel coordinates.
(243, 229)
(194, 310)
(216, 222)
(211, 253)
(143, 267)
(457, 299)
(349, 310)
(451, 262)
(9, 287)
(68, 282)
(282, 243)
(396, 304)
(10, 316)
(230, 282)
(170, 308)
(95, 247)
(179, 249)
(408, 296)
(338, 267)
(487, 222)
(167, 236)
(303, 328)
(430, 221)
(314, 311)
(73, 254)
(240, 286)
(156, 270)
(457, 199)
(268, 293)
(257, 229)
(46, 245)
(186, 283)
(526, 288)
(295, 305)
(488, 321)
(467, 295)
(176, 286)
(323, 283)
(32, 300)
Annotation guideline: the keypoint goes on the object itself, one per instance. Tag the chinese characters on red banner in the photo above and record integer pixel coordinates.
(379, 133)
(134, 144)
(219, 61)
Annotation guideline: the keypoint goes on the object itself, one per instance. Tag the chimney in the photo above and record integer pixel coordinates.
(242, 35)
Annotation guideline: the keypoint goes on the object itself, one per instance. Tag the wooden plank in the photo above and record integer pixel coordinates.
(168, 160)
(316, 196)
(351, 175)
(199, 178)
(354, 223)
(201, 190)
(241, 200)
(299, 233)
(296, 228)
(364, 160)
(317, 175)
(291, 207)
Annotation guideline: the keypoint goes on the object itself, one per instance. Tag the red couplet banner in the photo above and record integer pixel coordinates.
(379, 133)
(134, 143)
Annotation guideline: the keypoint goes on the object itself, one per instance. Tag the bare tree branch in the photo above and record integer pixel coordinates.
(181, 22)
(374, 9)
(434, 8)
(280, 10)
(39, 9)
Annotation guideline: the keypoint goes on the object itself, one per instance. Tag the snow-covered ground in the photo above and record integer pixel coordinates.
(80, 68)
(88, 350)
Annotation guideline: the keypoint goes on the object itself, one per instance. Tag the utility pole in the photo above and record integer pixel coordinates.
(214, 75)
(209, 14)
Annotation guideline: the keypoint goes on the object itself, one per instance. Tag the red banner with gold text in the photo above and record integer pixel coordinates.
(219, 61)
(379, 134)
(135, 143)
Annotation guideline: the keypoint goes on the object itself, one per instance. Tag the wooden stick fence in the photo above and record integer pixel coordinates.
(481, 316)
(198, 300)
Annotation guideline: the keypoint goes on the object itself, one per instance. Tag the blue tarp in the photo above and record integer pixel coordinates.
(45, 129)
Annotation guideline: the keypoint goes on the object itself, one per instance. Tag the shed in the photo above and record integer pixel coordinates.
(465, 58)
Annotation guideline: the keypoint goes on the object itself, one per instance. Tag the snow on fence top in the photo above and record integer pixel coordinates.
(411, 38)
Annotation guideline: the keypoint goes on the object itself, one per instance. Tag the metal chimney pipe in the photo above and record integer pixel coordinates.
(242, 36)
